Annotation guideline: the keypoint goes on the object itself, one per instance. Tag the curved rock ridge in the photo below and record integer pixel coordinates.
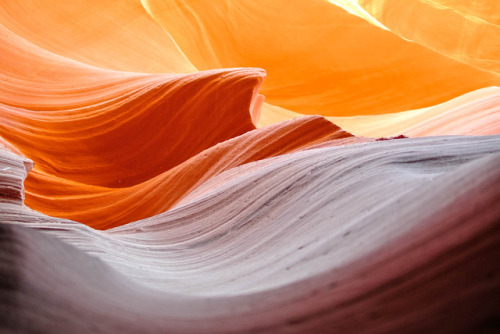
(125, 139)
(474, 113)
(162, 199)
(276, 248)
(359, 70)
(103, 126)
(113, 129)
(105, 207)
(469, 31)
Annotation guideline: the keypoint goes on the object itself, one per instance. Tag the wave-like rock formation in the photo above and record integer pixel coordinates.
(86, 129)
(298, 243)
(139, 194)
(105, 207)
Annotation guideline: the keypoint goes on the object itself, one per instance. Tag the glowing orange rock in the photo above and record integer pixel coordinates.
(212, 225)
(117, 35)
(324, 61)
(114, 147)
(113, 129)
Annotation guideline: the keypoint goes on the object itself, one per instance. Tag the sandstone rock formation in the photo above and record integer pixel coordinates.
(148, 186)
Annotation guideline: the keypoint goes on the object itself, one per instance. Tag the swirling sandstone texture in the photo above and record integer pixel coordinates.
(302, 242)
(147, 186)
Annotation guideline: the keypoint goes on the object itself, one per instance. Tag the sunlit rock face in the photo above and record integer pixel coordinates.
(175, 166)
(468, 31)
(324, 61)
